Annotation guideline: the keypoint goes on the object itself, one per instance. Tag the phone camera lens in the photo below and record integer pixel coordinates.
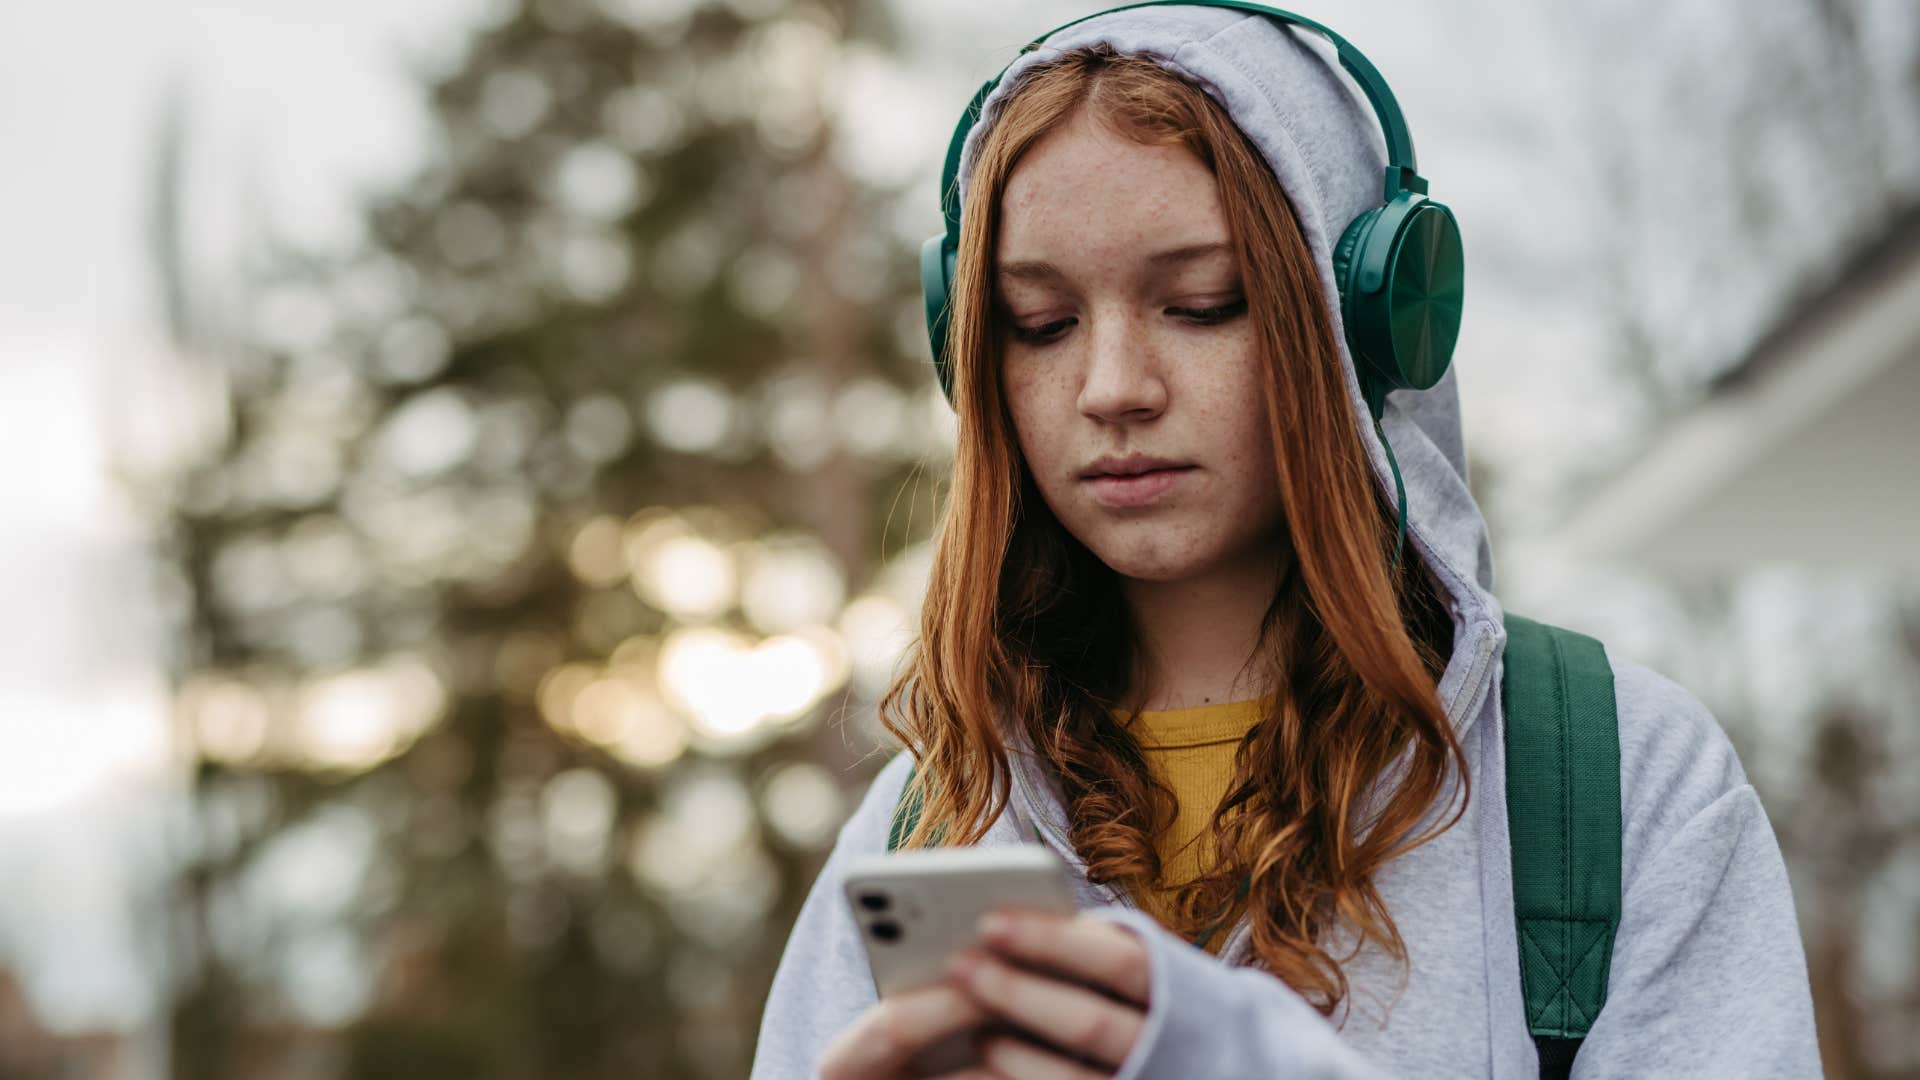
(874, 901)
(886, 930)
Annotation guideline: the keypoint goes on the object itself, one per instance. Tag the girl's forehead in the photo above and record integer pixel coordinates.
(1138, 204)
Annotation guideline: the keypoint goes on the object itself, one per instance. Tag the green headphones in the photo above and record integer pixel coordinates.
(1398, 266)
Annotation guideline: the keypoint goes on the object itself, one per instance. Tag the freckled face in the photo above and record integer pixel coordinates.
(1129, 362)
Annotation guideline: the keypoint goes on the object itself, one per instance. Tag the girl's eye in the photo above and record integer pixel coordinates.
(1040, 335)
(1213, 315)
(1049, 333)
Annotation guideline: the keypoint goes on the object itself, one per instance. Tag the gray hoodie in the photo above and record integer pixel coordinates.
(1708, 976)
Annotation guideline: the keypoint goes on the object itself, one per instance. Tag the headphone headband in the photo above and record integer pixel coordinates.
(1402, 172)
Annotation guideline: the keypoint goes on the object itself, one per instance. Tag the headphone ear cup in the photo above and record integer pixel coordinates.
(1343, 255)
(936, 281)
(1403, 328)
(1373, 387)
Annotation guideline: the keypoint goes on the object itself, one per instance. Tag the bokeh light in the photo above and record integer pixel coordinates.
(578, 808)
(677, 570)
(693, 416)
(728, 685)
(876, 631)
(356, 719)
(228, 718)
(596, 555)
(789, 581)
(802, 804)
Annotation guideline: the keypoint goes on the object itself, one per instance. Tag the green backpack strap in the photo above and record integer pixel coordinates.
(1563, 817)
(906, 812)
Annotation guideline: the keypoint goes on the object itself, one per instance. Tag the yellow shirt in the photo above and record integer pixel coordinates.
(1191, 751)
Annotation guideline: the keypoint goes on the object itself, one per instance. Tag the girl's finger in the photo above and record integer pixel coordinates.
(1018, 1059)
(1092, 950)
(882, 1041)
(1072, 1017)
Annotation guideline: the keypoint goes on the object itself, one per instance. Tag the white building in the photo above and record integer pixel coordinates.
(1805, 452)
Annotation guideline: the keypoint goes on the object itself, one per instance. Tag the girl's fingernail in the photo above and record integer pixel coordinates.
(962, 964)
(993, 925)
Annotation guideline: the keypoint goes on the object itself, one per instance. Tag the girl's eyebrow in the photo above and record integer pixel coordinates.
(1027, 270)
(1042, 270)
(1188, 253)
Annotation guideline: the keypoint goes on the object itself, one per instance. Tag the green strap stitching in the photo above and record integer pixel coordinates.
(1563, 808)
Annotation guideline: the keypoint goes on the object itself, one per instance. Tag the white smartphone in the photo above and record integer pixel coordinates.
(917, 908)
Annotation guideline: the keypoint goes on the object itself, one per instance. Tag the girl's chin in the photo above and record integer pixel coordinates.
(1171, 564)
(1160, 552)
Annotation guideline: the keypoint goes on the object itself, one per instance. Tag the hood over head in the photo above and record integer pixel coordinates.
(1284, 88)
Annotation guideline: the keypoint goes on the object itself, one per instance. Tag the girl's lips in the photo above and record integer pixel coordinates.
(1138, 490)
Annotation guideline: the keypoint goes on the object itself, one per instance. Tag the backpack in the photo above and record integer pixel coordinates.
(1563, 819)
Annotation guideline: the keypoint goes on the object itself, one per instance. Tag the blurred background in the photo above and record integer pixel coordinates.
(470, 464)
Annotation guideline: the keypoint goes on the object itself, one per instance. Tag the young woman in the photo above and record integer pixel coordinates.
(1169, 633)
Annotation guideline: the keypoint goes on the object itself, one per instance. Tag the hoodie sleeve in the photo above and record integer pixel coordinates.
(1205, 1018)
(823, 980)
(1708, 977)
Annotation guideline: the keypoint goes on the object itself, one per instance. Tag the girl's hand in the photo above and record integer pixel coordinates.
(1078, 983)
(883, 1041)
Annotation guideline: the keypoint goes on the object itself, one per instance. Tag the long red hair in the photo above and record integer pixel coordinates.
(1024, 627)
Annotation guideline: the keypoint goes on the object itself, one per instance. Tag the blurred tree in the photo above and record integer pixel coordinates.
(539, 537)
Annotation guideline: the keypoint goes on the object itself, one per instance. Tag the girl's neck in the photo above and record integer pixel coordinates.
(1196, 635)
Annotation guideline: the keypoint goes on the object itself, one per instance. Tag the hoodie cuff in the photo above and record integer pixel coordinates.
(1208, 1018)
